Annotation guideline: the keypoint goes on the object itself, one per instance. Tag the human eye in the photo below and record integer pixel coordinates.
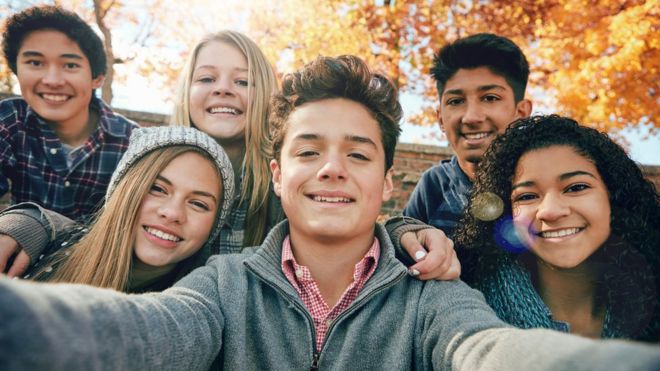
(201, 205)
(577, 187)
(242, 82)
(490, 98)
(157, 189)
(33, 62)
(307, 153)
(358, 156)
(205, 79)
(523, 197)
(71, 65)
(454, 101)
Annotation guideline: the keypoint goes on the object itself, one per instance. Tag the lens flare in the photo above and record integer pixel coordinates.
(506, 237)
(487, 206)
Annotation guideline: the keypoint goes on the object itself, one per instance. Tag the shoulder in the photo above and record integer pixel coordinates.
(112, 122)
(13, 110)
(439, 173)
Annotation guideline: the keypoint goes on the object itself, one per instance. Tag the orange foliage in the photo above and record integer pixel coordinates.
(596, 60)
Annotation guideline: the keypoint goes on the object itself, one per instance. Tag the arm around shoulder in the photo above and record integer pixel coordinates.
(32, 226)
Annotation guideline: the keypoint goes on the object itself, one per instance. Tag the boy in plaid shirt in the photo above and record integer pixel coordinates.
(59, 144)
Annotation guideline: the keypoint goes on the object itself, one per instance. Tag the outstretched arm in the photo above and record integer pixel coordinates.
(77, 327)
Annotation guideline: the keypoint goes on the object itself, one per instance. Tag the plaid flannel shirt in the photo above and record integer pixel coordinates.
(33, 165)
(301, 279)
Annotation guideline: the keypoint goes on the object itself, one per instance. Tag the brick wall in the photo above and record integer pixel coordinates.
(410, 161)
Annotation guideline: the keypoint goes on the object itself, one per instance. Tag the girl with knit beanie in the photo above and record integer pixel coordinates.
(165, 205)
(567, 232)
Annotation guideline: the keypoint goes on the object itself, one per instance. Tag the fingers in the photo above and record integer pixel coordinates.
(413, 247)
(21, 263)
(8, 248)
(440, 262)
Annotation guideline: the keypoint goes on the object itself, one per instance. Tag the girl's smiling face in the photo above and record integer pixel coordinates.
(561, 206)
(219, 94)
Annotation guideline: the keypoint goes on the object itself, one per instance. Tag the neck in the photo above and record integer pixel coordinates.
(330, 261)
(143, 275)
(235, 150)
(469, 168)
(571, 296)
(75, 132)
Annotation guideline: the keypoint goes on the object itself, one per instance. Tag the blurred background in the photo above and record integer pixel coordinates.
(594, 60)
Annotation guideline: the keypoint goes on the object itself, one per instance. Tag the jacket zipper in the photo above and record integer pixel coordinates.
(317, 355)
(315, 362)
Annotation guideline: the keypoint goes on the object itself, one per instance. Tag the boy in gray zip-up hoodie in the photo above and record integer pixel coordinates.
(324, 291)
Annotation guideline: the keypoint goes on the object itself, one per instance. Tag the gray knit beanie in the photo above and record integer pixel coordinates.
(145, 140)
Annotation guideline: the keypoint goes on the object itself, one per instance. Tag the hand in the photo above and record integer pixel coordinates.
(9, 248)
(434, 253)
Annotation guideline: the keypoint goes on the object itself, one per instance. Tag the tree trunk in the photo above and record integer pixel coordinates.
(100, 13)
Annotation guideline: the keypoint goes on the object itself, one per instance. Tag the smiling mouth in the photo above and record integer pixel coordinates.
(162, 235)
(56, 98)
(334, 200)
(229, 110)
(476, 136)
(560, 233)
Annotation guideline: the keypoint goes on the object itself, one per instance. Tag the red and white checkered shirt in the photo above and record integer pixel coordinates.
(301, 279)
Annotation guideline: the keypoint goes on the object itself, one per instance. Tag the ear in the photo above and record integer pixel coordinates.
(388, 186)
(277, 177)
(523, 108)
(438, 113)
(97, 82)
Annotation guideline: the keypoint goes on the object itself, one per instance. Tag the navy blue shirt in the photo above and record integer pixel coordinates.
(440, 196)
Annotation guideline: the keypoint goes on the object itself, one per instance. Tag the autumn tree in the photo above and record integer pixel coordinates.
(599, 66)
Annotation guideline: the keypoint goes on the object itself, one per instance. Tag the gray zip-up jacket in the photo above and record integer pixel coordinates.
(240, 311)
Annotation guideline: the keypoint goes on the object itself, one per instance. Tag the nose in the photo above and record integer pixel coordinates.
(332, 169)
(172, 211)
(552, 208)
(53, 76)
(474, 113)
(223, 86)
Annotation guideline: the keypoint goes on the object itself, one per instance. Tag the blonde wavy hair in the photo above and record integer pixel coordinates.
(103, 257)
(256, 178)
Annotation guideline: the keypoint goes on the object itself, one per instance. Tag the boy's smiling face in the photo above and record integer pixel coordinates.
(475, 106)
(331, 174)
(55, 77)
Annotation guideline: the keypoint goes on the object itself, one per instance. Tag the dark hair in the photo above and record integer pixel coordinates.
(499, 54)
(630, 256)
(342, 77)
(48, 17)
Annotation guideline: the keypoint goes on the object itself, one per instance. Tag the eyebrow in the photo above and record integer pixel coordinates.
(215, 68)
(479, 88)
(30, 53)
(199, 193)
(350, 138)
(561, 177)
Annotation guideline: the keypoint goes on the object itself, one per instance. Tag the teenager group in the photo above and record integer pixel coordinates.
(551, 235)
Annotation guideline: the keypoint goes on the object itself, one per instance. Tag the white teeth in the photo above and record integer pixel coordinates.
(560, 233)
(476, 135)
(224, 110)
(331, 199)
(55, 97)
(162, 235)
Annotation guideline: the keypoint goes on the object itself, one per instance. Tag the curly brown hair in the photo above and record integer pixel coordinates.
(631, 276)
(346, 77)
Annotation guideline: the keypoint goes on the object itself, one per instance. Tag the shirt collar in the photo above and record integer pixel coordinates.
(109, 122)
(365, 267)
